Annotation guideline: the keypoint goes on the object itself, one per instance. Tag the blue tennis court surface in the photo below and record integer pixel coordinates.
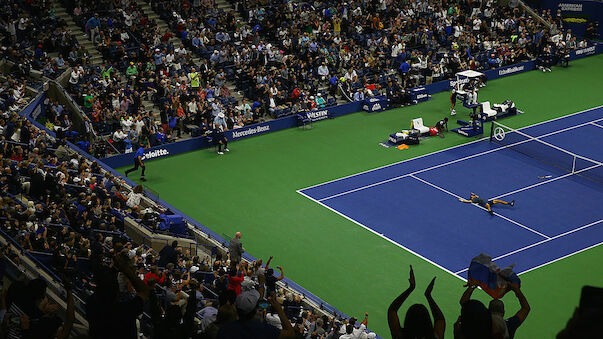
(415, 203)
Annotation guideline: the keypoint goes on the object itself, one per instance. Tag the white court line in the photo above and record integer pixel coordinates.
(483, 208)
(557, 131)
(545, 182)
(446, 149)
(595, 124)
(565, 256)
(381, 235)
(463, 159)
(538, 243)
(549, 144)
(432, 153)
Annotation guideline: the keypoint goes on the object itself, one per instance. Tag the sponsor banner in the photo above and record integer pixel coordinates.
(510, 70)
(591, 10)
(160, 151)
(375, 104)
(570, 7)
(247, 131)
(588, 51)
(317, 115)
(155, 154)
(419, 94)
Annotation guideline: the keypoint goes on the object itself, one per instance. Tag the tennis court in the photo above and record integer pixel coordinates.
(553, 170)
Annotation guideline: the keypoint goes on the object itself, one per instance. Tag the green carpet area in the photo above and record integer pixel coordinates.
(252, 189)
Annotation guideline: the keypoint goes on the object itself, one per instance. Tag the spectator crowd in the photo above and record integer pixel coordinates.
(68, 213)
(283, 57)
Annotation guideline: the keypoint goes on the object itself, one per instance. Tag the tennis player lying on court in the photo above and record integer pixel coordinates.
(475, 199)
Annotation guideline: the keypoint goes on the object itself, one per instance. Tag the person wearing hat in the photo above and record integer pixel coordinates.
(138, 156)
(247, 326)
(320, 101)
(218, 133)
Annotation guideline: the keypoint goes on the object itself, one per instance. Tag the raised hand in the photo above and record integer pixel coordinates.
(411, 279)
(429, 288)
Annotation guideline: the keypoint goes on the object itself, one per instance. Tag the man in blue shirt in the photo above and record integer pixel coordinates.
(138, 162)
(359, 95)
(93, 26)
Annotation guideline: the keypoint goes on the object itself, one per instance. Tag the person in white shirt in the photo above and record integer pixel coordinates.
(76, 73)
(273, 319)
(134, 197)
(126, 123)
(350, 75)
(323, 71)
(138, 125)
(477, 24)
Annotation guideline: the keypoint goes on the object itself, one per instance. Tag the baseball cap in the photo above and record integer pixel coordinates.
(221, 115)
(247, 301)
(194, 269)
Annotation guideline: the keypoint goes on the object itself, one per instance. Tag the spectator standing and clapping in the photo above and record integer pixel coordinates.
(417, 323)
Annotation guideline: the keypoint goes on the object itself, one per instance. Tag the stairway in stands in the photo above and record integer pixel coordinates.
(95, 57)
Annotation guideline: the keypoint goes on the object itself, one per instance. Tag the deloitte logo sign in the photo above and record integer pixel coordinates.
(155, 154)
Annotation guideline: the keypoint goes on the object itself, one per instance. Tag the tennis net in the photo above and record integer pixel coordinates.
(547, 153)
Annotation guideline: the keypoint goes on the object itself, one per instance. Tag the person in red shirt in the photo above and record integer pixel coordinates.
(154, 275)
(235, 278)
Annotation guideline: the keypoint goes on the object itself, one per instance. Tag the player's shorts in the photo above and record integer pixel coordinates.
(482, 202)
(453, 99)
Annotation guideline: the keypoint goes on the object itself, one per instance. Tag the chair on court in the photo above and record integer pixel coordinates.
(304, 121)
(487, 110)
(418, 125)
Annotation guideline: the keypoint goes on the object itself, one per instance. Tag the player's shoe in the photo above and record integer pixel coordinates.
(453, 112)
(219, 152)
(512, 203)
(226, 150)
(548, 70)
(491, 212)
(143, 179)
